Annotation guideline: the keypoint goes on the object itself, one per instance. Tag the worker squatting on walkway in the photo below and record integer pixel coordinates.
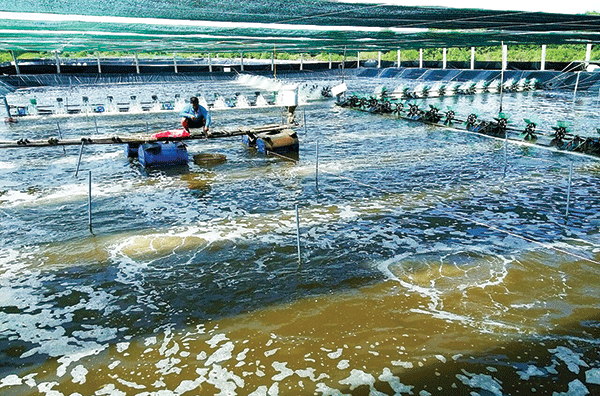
(195, 116)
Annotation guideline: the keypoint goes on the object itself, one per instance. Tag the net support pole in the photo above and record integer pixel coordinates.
(330, 63)
(543, 58)
(379, 59)
(60, 137)
(399, 58)
(57, 62)
(444, 57)
(98, 62)
(317, 166)
(358, 59)
(301, 61)
(298, 231)
(210, 69)
(175, 62)
(137, 63)
(90, 200)
(502, 74)
(16, 63)
(588, 54)
(472, 58)
(79, 160)
(7, 107)
(241, 61)
(569, 189)
(420, 58)
(576, 84)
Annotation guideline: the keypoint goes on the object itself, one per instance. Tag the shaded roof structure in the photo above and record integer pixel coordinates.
(262, 25)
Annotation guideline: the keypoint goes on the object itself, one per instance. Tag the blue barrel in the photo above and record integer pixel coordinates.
(163, 153)
(131, 150)
(249, 141)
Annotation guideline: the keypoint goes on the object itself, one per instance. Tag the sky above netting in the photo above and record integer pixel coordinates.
(265, 25)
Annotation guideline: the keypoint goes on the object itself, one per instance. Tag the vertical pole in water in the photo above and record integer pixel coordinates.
(543, 58)
(175, 62)
(57, 62)
(98, 59)
(241, 61)
(317, 166)
(344, 64)
(502, 75)
(472, 58)
(420, 58)
(588, 54)
(330, 61)
(569, 189)
(298, 231)
(90, 200)
(210, 62)
(137, 63)
(16, 63)
(358, 59)
(379, 59)
(7, 107)
(60, 137)
(399, 59)
(576, 85)
(444, 57)
(79, 160)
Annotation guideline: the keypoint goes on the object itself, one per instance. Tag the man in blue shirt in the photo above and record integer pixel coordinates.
(195, 116)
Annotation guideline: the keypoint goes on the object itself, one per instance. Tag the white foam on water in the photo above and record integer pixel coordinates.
(224, 380)
(592, 376)
(576, 388)
(532, 371)
(394, 382)
(481, 381)
(224, 353)
(572, 359)
(283, 371)
(358, 378)
(79, 374)
(11, 380)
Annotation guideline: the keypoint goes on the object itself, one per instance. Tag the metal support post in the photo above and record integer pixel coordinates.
(57, 62)
(444, 57)
(16, 63)
(90, 200)
(137, 63)
(543, 58)
(79, 160)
